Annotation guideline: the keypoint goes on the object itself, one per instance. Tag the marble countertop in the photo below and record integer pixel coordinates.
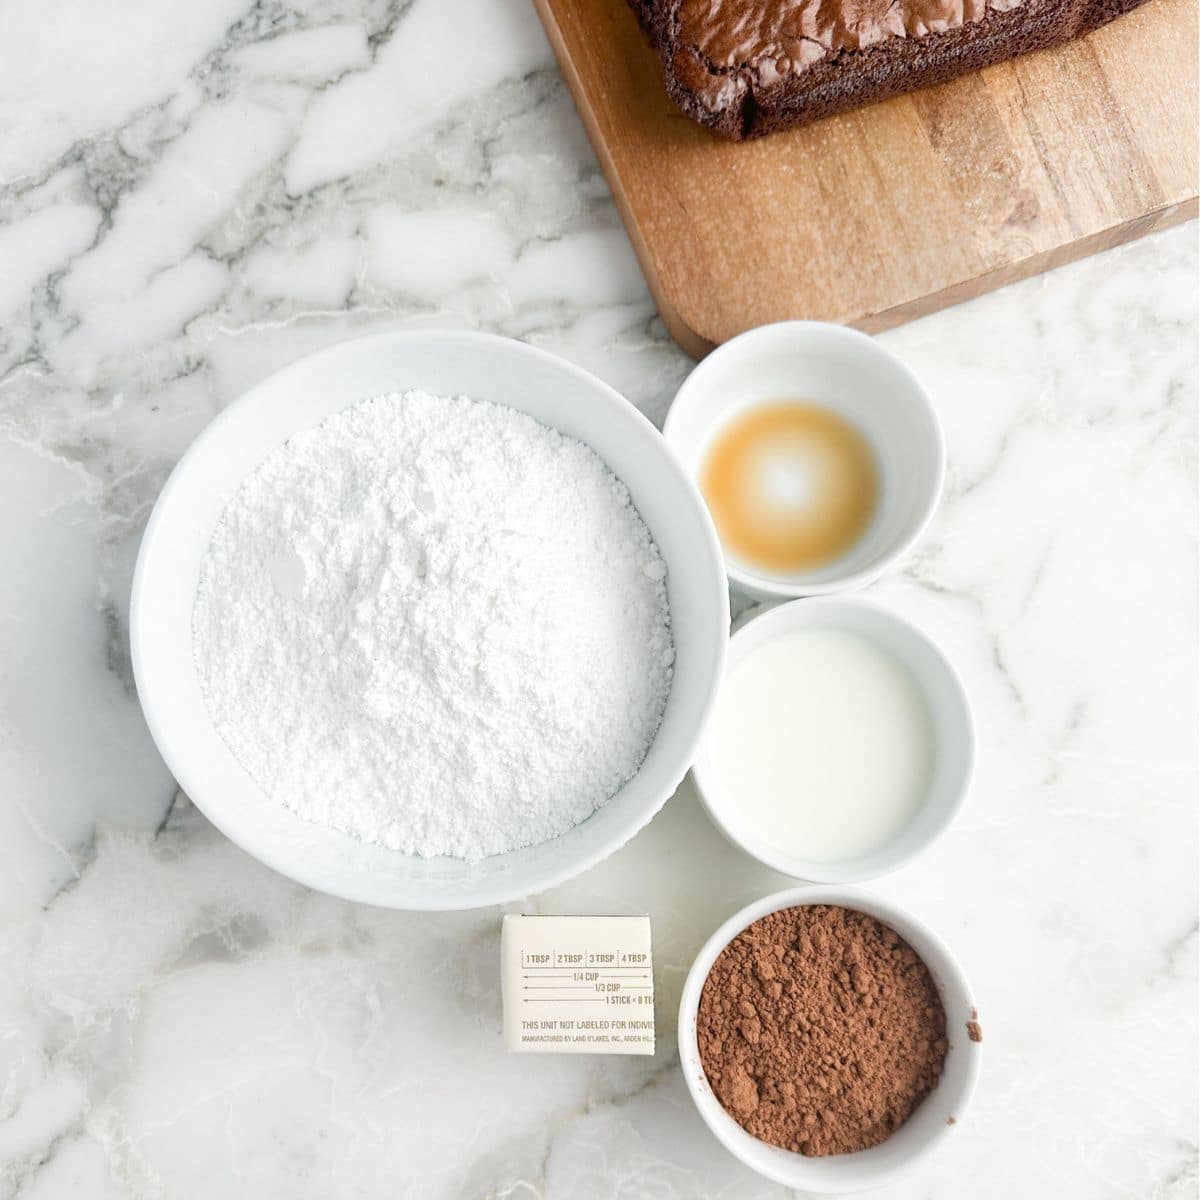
(194, 195)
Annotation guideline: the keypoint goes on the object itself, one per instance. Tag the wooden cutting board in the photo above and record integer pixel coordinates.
(891, 212)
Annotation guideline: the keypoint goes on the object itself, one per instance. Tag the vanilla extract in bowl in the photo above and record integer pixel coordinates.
(819, 455)
(792, 486)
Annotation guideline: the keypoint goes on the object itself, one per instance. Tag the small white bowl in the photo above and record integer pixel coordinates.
(854, 376)
(935, 1119)
(299, 397)
(949, 714)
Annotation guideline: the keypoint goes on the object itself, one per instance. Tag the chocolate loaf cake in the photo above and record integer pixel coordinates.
(749, 67)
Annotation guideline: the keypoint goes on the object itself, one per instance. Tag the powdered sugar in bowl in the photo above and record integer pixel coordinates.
(189, 687)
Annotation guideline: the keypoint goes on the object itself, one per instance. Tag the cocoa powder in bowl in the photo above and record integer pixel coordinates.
(820, 1030)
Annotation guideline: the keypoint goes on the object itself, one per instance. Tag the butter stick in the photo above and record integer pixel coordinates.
(577, 985)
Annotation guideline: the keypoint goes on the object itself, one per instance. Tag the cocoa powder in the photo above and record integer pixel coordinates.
(820, 1030)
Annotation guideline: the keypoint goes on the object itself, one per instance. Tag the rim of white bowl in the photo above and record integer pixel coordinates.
(268, 854)
(947, 973)
(807, 613)
(775, 587)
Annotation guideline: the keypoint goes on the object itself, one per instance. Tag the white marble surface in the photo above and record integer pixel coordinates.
(192, 195)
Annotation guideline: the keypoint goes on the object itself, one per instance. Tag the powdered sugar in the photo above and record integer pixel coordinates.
(435, 624)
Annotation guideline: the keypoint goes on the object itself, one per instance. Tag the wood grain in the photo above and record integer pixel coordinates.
(894, 211)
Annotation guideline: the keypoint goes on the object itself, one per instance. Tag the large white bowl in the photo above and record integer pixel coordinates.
(935, 1119)
(300, 396)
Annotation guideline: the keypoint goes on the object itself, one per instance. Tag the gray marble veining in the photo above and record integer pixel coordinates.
(191, 196)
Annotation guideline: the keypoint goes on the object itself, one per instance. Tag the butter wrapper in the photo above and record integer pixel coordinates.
(577, 985)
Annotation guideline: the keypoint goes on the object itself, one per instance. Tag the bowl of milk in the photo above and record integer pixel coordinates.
(841, 744)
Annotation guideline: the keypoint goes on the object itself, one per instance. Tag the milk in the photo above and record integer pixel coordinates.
(823, 743)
